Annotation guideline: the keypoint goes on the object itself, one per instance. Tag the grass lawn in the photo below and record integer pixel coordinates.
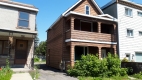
(112, 78)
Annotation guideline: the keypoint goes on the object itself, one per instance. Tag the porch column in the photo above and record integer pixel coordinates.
(72, 55)
(100, 52)
(115, 51)
(99, 27)
(114, 25)
(72, 23)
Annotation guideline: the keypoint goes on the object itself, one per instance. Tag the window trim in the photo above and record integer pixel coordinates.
(127, 33)
(131, 11)
(23, 27)
(86, 10)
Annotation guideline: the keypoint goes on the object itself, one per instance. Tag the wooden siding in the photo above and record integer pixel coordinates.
(93, 36)
(81, 8)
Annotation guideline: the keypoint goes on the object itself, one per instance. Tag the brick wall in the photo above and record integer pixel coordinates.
(55, 44)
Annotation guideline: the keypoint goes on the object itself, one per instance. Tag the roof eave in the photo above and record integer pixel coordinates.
(54, 22)
(98, 17)
(18, 6)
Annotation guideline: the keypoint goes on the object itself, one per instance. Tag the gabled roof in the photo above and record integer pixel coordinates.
(94, 2)
(68, 12)
(113, 1)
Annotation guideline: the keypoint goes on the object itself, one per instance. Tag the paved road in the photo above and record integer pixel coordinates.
(47, 73)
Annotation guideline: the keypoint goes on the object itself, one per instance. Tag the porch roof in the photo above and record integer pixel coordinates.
(18, 33)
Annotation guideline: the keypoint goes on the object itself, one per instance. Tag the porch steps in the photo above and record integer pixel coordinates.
(20, 70)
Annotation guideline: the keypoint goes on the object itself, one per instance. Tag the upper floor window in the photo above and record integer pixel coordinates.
(23, 19)
(139, 13)
(87, 9)
(128, 12)
(130, 33)
(140, 33)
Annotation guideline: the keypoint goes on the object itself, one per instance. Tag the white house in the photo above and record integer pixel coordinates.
(17, 33)
(129, 15)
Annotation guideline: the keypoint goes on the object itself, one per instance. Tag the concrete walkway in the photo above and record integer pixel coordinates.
(21, 76)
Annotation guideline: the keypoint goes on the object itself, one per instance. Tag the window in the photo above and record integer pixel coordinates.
(23, 19)
(128, 57)
(139, 13)
(4, 48)
(129, 33)
(87, 9)
(128, 12)
(140, 33)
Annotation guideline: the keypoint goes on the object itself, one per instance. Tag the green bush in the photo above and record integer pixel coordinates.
(6, 72)
(125, 60)
(36, 59)
(91, 65)
(138, 75)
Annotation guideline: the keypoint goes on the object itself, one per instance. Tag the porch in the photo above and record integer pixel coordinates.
(18, 48)
(76, 49)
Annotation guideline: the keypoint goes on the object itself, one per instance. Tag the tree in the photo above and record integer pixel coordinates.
(41, 49)
(36, 41)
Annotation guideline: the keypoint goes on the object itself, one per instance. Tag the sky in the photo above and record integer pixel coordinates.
(50, 10)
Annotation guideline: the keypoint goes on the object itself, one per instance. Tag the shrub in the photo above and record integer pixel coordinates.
(138, 75)
(125, 60)
(6, 72)
(91, 65)
(36, 59)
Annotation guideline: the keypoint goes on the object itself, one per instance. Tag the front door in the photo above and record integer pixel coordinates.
(21, 51)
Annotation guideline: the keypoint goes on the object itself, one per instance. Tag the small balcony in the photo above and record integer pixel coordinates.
(93, 31)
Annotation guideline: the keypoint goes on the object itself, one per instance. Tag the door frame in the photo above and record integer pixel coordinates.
(16, 49)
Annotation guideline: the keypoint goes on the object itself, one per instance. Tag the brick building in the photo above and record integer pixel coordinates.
(82, 29)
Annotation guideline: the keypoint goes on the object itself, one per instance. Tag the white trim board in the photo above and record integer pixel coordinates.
(98, 17)
(18, 6)
(89, 41)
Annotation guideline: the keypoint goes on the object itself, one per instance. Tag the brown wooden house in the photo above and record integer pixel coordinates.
(82, 29)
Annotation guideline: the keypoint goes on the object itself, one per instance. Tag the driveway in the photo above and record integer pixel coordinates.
(48, 73)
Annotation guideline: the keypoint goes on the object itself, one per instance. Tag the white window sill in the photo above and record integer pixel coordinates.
(130, 36)
(128, 16)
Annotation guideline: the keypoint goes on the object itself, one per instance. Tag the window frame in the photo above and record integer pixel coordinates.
(128, 10)
(23, 27)
(86, 10)
(130, 35)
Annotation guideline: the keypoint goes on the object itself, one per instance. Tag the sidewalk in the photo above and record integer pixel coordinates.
(21, 76)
